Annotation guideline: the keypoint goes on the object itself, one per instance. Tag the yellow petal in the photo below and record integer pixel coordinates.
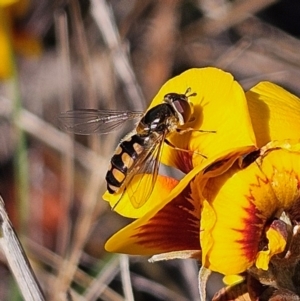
(276, 245)
(168, 227)
(233, 279)
(275, 113)
(243, 201)
(231, 245)
(208, 220)
(220, 106)
(281, 165)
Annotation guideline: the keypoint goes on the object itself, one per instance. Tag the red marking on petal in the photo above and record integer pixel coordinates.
(298, 181)
(259, 181)
(173, 228)
(184, 161)
(252, 230)
(254, 223)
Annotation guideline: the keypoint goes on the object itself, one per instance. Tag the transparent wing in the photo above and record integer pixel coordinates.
(90, 121)
(145, 172)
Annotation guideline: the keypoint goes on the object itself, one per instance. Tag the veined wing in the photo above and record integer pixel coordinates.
(90, 121)
(145, 173)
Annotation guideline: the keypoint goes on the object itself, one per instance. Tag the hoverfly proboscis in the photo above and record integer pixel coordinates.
(139, 152)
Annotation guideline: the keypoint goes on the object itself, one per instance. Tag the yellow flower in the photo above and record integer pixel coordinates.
(243, 203)
(219, 105)
(230, 215)
(231, 226)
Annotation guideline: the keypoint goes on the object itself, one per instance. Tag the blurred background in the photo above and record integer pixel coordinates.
(114, 54)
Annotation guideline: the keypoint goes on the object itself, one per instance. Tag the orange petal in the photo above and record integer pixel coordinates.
(122, 203)
(168, 227)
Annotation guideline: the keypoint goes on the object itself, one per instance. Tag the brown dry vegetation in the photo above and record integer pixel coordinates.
(115, 55)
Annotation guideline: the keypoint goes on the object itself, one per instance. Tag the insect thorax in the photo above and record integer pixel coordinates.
(159, 119)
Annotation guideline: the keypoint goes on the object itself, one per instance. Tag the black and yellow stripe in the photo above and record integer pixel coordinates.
(122, 161)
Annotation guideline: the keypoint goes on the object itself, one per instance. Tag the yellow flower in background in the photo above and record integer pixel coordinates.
(16, 8)
(219, 105)
(6, 63)
(14, 39)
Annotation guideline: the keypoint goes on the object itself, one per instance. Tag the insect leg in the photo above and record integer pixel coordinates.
(183, 150)
(183, 131)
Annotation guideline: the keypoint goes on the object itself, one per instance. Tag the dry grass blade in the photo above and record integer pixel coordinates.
(239, 11)
(189, 270)
(125, 275)
(105, 21)
(155, 57)
(81, 232)
(58, 140)
(96, 53)
(67, 158)
(82, 48)
(278, 43)
(99, 286)
(156, 290)
(204, 274)
(53, 260)
(17, 259)
(96, 286)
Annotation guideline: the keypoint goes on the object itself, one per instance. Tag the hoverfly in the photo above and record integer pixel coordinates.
(138, 152)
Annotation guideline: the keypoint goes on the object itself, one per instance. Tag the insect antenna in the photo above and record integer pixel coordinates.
(188, 90)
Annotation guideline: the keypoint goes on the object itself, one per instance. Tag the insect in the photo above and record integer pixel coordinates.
(139, 152)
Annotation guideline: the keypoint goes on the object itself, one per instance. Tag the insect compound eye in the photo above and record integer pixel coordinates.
(184, 108)
(181, 104)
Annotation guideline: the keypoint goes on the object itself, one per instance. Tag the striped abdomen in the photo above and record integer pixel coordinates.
(123, 161)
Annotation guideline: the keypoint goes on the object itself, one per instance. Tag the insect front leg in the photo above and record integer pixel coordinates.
(183, 131)
(183, 150)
